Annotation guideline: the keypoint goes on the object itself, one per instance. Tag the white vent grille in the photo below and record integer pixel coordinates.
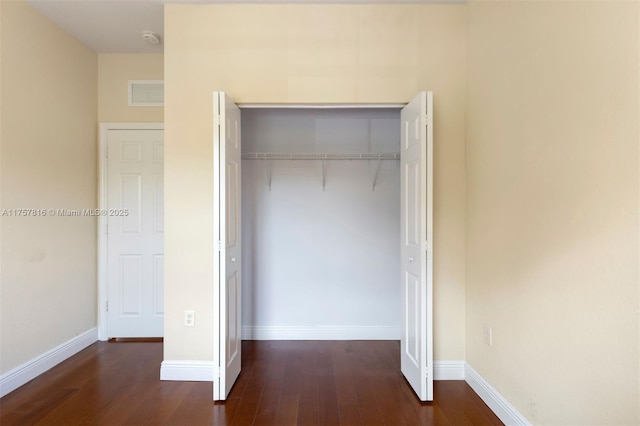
(146, 93)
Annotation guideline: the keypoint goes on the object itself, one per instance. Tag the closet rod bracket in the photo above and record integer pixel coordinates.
(324, 174)
(375, 175)
(268, 172)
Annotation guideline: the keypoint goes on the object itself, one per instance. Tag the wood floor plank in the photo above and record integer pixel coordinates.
(196, 408)
(369, 408)
(248, 404)
(268, 407)
(308, 410)
(431, 414)
(34, 410)
(223, 412)
(287, 413)
(282, 383)
(328, 408)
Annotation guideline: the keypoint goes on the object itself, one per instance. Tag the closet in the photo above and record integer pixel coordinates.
(324, 229)
(320, 223)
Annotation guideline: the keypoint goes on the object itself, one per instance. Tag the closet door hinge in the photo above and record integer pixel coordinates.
(107, 306)
(219, 245)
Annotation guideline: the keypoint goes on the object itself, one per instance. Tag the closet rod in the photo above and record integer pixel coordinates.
(320, 156)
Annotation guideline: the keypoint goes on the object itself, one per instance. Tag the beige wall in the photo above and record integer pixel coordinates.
(547, 99)
(48, 134)
(552, 207)
(302, 54)
(114, 73)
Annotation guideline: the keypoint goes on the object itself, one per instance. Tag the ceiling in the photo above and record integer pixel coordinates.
(116, 26)
(108, 26)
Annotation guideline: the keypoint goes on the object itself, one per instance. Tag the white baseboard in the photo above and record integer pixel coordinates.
(500, 406)
(203, 371)
(320, 333)
(20, 375)
(188, 371)
(448, 370)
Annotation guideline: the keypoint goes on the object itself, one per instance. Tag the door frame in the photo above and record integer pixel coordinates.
(430, 200)
(104, 129)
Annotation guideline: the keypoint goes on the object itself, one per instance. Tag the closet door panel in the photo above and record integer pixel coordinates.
(416, 257)
(227, 262)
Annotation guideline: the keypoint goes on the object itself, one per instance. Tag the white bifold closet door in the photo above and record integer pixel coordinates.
(416, 252)
(227, 260)
(416, 244)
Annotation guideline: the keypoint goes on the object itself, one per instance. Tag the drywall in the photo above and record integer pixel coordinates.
(114, 73)
(321, 263)
(304, 53)
(49, 100)
(552, 207)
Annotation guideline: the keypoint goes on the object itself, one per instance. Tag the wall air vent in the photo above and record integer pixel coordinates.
(146, 93)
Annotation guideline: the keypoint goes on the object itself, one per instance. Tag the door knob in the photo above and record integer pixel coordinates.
(233, 259)
(410, 259)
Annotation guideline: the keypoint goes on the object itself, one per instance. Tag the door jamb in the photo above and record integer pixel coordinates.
(104, 129)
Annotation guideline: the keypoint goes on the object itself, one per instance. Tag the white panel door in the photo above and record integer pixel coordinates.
(227, 264)
(416, 258)
(135, 252)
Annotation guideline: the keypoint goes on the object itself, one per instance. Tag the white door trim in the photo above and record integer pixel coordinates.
(102, 220)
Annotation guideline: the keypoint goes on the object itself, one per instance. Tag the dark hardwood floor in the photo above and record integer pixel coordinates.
(282, 383)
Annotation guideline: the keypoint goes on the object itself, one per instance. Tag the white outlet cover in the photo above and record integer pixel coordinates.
(487, 335)
(189, 318)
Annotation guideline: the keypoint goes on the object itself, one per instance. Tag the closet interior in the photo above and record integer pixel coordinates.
(321, 223)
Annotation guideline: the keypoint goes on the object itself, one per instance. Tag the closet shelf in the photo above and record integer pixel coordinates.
(324, 157)
(320, 156)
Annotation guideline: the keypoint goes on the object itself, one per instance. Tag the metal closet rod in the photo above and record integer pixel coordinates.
(320, 156)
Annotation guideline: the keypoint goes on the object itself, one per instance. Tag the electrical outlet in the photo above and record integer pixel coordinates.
(189, 318)
(487, 335)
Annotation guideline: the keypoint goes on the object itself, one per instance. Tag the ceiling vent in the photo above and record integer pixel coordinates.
(146, 93)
